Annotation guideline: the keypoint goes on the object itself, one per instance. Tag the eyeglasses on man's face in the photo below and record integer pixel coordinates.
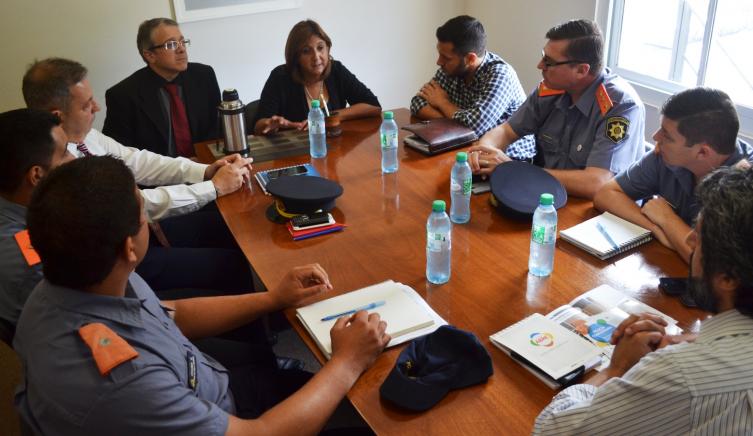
(172, 45)
(549, 63)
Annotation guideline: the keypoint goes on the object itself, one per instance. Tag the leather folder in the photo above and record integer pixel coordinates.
(439, 135)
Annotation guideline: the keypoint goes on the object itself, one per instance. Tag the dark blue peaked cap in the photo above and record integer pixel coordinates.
(516, 188)
(297, 195)
(430, 366)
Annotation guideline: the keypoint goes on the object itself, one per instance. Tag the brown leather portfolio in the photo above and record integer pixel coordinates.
(439, 135)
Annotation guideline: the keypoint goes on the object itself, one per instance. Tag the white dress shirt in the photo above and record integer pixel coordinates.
(172, 196)
(702, 387)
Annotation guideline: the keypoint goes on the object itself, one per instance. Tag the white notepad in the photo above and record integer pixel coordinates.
(588, 237)
(407, 315)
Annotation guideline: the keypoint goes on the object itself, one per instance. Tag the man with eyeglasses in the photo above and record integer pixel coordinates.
(168, 105)
(588, 122)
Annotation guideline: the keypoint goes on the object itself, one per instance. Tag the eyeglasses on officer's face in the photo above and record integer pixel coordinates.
(172, 44)
(549, 63)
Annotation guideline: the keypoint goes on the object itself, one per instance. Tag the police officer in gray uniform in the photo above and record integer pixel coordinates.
(32, 142)
(588, 123)
(102, 355)
(698, 134)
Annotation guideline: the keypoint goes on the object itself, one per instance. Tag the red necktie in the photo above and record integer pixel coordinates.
(181, 130)
(83, 149)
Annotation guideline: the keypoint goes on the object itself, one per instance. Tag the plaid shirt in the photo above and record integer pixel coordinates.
(490, 99)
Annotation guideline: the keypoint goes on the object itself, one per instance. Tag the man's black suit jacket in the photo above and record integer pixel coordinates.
(137, 118)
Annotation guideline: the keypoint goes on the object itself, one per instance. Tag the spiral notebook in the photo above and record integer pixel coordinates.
(606, 235)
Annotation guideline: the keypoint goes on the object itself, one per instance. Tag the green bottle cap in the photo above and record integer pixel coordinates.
(438, 206)
(389, 115)
(546, 199)
(314, 104)
(461, 157)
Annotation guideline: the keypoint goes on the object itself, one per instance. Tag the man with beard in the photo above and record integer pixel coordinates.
(588, 122)
(473, 86)
(699, 384)
(698, 134)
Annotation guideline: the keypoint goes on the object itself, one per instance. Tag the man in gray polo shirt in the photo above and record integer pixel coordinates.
(589, 123)
(102, 355)
(698, 134)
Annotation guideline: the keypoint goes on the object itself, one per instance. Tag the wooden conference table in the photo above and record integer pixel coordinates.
(489, 287)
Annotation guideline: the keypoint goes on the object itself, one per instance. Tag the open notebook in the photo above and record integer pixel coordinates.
(606, 235)
(407, 315)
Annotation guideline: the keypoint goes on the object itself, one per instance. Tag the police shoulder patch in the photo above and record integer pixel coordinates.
(108, 349)
(617, 128)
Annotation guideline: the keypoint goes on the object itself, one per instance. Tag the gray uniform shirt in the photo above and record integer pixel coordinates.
(63, 392)
(574, 136)
(17, 277)
(651, 176)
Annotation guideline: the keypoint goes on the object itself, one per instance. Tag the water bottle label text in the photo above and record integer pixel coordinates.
(389, 140)
(436, 242)
(544, 234)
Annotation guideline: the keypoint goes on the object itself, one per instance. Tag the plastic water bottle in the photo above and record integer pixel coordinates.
(438, 244)
(388, 133)
(460, 189)
(543, 234)
(317, 136)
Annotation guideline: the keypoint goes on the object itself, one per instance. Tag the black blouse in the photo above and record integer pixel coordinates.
(282, 96)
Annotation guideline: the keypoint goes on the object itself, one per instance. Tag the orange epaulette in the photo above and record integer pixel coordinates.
(605, 103)
(108, 349)
(24, 243)
(545, 92)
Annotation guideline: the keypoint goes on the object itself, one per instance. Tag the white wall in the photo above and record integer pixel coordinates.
(389, 44)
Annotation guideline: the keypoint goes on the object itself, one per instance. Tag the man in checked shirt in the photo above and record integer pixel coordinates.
(472, 86)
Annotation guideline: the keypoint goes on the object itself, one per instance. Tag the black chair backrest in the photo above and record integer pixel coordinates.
(249, 114)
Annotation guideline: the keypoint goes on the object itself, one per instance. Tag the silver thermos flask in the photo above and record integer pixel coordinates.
(233, 123)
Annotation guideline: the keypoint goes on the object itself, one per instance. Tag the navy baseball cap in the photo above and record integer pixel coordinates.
(298, 195)
(433, 365)
(517, 186)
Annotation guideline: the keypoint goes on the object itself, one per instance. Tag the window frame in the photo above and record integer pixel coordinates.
(652, 90)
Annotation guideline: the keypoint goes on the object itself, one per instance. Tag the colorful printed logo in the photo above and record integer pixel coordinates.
(542, 339)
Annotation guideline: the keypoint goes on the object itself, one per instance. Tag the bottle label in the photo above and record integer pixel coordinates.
(316, 128)
(389, 140)
(543, 234)
(465, 188)
(436, 242)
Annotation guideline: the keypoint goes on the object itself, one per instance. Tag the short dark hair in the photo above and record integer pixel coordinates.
(726, 197)
(79, 217)
(585, 42)
(704, 115)
(297, 38)
(144, 35)
(46, 84)
(25, 141)
(465, 33)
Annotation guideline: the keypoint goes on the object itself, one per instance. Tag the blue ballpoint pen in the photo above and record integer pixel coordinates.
(369, 306)
(604, 233)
